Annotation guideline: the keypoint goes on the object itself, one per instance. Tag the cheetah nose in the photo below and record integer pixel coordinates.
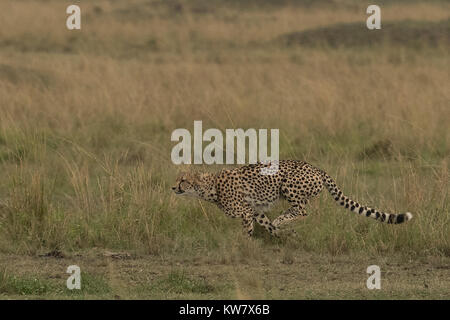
(174, 188)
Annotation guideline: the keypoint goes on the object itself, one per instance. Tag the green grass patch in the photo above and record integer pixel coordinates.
(179, 282)
(91, 284)
(23, 285)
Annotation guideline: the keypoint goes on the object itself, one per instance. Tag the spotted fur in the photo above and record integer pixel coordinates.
(247, 193)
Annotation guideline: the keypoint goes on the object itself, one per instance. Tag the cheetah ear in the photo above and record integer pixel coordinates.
(184, 169)
(204, 176)
(195, 171)
(182, 173)
(193, 174)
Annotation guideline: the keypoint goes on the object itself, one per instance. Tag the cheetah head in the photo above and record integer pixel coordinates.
(199, 185)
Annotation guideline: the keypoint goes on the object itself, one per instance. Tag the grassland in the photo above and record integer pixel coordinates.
(85, 124)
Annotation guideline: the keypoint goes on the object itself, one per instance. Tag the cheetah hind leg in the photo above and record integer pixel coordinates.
(292, 214)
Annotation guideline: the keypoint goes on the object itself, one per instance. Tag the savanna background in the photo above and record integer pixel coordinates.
(85, 124)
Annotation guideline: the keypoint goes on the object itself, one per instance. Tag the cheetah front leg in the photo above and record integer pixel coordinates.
(265, 222)
(244, 212)
(249, 215)
(247, 224)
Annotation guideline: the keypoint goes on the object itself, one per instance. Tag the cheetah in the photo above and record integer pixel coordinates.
(246, 193)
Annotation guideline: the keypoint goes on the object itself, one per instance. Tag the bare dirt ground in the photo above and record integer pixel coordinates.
(280, 275)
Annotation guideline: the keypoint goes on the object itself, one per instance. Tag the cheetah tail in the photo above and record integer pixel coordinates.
(391, 218)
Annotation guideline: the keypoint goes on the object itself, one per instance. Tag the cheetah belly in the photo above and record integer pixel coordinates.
(260, 206)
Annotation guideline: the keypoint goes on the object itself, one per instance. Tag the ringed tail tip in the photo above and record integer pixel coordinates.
(409, 216)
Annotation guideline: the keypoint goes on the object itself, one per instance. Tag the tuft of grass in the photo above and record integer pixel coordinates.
(31, 285)
(91, 285)
(20, 76)
(15, 285)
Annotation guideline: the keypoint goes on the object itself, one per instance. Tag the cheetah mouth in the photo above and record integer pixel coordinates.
(179, 192)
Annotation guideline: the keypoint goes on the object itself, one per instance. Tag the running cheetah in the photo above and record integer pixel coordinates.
(246, 193)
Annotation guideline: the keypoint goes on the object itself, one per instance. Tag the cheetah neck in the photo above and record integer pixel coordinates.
(208, 192)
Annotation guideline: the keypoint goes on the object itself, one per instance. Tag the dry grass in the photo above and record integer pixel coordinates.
(86, 118)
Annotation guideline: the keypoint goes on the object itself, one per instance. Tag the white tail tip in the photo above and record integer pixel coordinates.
(408, 216)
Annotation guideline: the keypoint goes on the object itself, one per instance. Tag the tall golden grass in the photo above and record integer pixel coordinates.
(86, 118)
